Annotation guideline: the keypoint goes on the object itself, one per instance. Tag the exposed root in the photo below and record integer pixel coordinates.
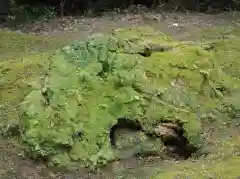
(172, 135)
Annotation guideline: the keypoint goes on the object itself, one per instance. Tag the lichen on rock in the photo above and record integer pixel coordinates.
(90, 85)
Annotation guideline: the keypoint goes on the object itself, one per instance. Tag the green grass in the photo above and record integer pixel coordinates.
(22, 64)
(223, 161)
(15, 45)
(22, 60)
(227, 168)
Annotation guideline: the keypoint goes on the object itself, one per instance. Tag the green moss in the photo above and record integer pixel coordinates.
(22, 61)
(92, 84)
(15, 80)
(22, 55)
(228, 55)
(223, 32)
(15, 45)
(228, 168)
(224, 162)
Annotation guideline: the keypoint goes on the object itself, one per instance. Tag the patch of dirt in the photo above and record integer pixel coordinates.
(182, 26)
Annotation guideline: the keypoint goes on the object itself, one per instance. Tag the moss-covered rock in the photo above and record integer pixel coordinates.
(90, 85)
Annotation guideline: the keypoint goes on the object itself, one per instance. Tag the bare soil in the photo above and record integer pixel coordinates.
(181, 26)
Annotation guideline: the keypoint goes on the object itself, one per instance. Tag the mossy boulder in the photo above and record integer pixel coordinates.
(90, 85)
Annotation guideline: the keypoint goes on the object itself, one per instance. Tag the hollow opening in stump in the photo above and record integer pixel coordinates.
(170, 133)
(123, 123)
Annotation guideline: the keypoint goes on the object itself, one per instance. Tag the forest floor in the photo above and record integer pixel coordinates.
(223, 138)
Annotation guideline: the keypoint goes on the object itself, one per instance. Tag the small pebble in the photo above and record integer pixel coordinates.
(175, 25)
